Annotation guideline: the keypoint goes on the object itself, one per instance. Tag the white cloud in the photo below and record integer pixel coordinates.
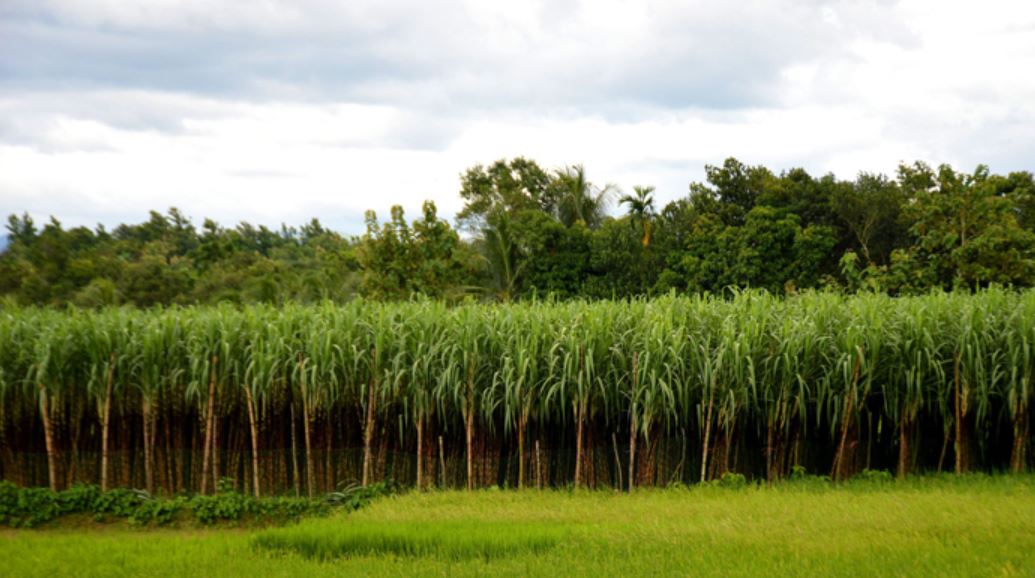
(276, 112)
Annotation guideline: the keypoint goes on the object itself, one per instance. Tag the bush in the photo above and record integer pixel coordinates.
(28, 507)
(801, 477)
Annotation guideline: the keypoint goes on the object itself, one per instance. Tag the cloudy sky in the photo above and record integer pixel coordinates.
(272, 111)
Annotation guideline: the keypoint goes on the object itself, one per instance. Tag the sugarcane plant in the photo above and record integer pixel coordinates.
(303, 398)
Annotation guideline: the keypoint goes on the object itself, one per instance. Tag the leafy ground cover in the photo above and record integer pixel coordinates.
(31, 507)
(930, 526)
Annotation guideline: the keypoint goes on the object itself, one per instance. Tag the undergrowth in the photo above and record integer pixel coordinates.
(30, 507)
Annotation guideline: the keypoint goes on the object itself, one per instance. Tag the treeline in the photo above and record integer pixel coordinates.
(590, 393)
(529, 231)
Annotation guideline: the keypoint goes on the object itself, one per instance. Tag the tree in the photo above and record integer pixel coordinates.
(21, 229)
(619, 264)
(399, 260)
(1019, 189)
(770, 251)
(557, 256)
(154, 280)
(964, 233)
(578, 200)
(641, 210)
(871, 208)
(736, 187)
(503, 187)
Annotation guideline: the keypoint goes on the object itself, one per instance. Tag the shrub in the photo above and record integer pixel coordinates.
(28, 507)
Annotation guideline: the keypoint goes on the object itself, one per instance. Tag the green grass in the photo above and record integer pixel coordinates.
(453, 540)
(975, 526)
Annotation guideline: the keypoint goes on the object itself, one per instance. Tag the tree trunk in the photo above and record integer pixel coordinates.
(368, 431)
(206, 455)
(255, 440)
(106, 424)
(48, 434)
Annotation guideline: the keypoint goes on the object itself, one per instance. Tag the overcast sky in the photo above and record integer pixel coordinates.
(273, 112)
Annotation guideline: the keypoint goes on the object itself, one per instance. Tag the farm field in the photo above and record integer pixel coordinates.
(926, 526)
(296, 399)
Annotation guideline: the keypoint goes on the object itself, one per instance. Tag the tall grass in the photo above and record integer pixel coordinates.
(452, 540)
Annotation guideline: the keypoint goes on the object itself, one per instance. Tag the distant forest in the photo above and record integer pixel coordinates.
(527, 231)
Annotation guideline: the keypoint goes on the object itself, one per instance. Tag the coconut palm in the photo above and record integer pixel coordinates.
(580, 201)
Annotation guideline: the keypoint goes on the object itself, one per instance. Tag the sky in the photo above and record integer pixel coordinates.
(277, 112)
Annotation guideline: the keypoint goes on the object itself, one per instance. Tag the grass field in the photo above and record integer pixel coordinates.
(974, 526)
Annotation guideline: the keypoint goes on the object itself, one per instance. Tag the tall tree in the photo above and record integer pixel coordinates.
(504, 186)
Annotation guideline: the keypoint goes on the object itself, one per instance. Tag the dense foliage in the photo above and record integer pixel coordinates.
(641, 392)
(538, 232)
(28, 507)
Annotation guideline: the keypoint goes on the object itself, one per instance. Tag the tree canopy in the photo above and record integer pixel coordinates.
(533, 231)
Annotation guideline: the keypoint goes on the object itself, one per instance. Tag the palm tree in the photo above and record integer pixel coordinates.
(581, 200)
(504, 255)
(641, 209)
